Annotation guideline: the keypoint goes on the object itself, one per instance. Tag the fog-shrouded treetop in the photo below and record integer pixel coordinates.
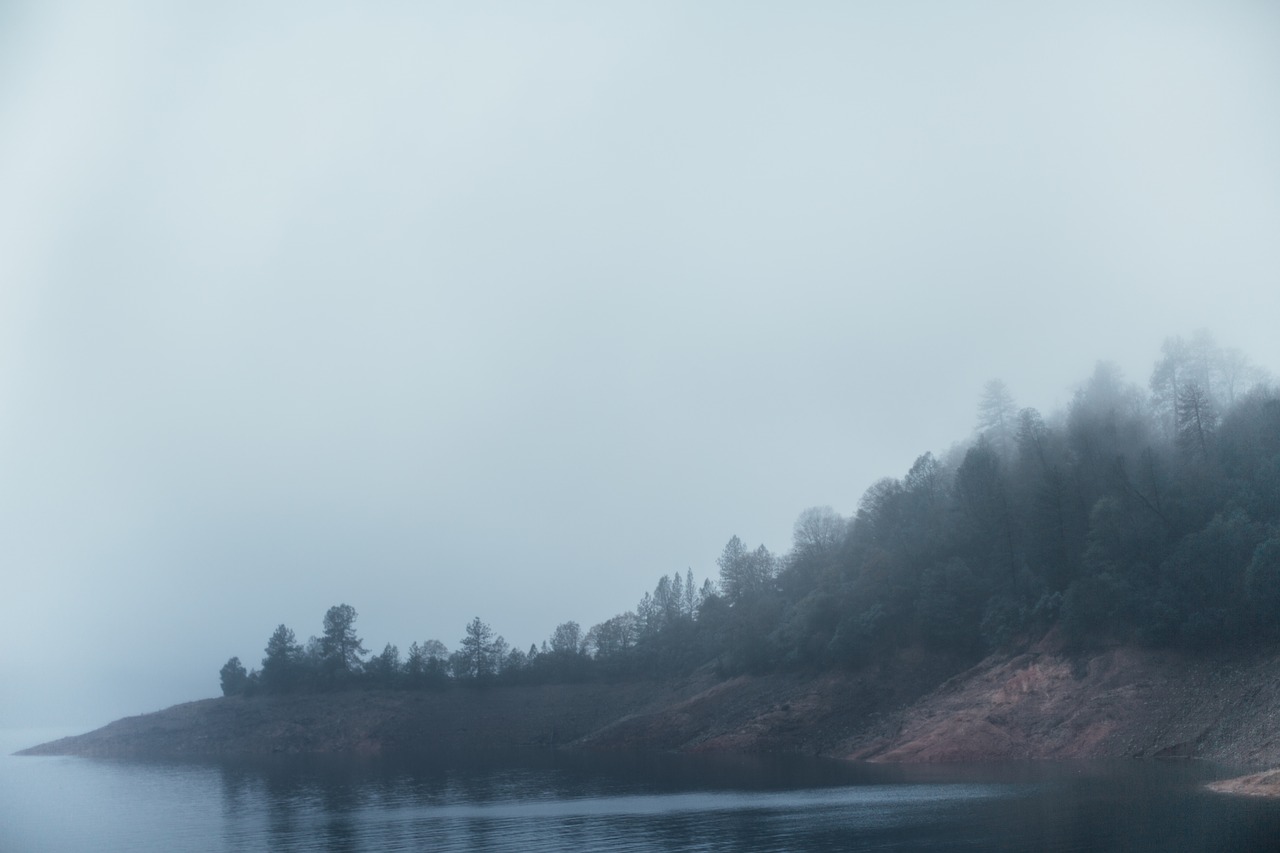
(509, 310)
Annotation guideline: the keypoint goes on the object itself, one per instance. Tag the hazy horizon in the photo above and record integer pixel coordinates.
(505, 313)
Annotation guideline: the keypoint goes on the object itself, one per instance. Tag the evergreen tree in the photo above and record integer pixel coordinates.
(385, 669)
(997, 416)
(340, 648)
(233, 677)
(476, 658)
(1197, 421)
(689, 604)
(280, 667)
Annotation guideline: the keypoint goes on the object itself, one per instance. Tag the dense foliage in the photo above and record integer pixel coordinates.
(1133, 516)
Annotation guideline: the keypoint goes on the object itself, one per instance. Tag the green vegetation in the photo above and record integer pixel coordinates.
(1130, 517)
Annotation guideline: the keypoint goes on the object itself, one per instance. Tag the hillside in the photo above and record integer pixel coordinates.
(1038, 704)
(1128, 549)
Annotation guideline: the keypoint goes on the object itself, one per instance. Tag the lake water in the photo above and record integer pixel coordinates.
(568, 801)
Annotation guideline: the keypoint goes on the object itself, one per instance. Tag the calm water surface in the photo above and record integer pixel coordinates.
(563, 801)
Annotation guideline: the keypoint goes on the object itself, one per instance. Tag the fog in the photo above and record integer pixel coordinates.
(448, 311)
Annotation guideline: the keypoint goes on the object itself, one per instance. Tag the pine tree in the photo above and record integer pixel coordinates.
(340, 648)
(476, 656)
(280, 667)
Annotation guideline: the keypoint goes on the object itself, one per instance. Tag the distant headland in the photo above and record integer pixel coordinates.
(1100, 581)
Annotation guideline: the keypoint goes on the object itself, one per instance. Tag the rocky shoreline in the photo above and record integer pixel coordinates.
(1041, 703)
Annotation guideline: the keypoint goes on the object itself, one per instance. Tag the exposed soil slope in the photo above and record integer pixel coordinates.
(1041, 703)
(811, 714)
(1123, 702)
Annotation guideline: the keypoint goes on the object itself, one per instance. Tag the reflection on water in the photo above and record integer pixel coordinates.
(556, 801)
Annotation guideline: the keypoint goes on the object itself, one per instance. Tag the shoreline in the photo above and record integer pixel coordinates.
(1038, 704)
(1263, 785)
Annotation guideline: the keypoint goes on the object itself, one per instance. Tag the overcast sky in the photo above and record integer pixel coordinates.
(446, 310)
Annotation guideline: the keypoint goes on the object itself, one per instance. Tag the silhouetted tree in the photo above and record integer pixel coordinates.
(612, 640)
(1167, 379)
(744, 573)
(566, 640)
(818, 535)
(427, 664)
(879, 521)
(478, 654)
(282, 663)
(385, 669)
(1197, 421)
(340, 648)
(233, 677)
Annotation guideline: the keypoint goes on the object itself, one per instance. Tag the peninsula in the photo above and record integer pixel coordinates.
(1099, 582)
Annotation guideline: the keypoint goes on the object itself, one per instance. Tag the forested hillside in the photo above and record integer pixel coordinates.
(1146, 515)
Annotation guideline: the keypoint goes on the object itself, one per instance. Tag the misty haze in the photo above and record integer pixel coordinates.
(467, 427)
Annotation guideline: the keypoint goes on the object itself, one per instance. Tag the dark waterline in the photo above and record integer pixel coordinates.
(557, 801)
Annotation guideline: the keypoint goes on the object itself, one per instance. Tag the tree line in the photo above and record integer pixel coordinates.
(1134, 515)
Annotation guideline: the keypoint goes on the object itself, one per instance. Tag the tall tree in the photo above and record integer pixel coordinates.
(816, 540)
(667, 596)
(566, 640)
(233, 677)
(1197, 421)
(881, 516)
(1222, 373)
(818, 534)
(282, 662)
(997, 416)
(427, 662)
(476, 657)
(339, 645)
(385, 669)
(613, 638)
(744, 573)
(689, 605)
(986, 522)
